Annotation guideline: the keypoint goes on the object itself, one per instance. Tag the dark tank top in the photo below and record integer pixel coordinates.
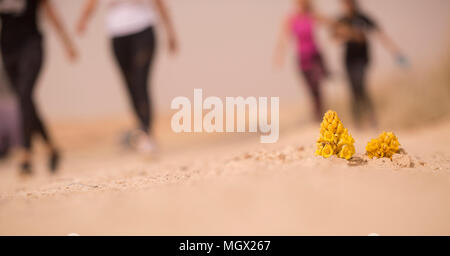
(19, 22)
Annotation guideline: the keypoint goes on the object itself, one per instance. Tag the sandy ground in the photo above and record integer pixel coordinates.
(231, 185)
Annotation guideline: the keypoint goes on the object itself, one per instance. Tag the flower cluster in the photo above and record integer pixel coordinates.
(334, 138)
(386, 145)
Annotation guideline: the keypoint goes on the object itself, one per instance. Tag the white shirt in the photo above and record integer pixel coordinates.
(126, 17)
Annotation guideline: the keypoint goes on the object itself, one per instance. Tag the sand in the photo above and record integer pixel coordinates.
(231, 185)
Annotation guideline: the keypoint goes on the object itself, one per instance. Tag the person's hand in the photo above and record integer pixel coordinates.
(72, 53)
(173, 44)
(81, 28)
(341, 31)
(402, 61)
(277, 62)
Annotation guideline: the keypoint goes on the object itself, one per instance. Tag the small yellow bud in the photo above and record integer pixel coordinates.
(347, 151)
(327, 151)
(340, 128)
(328, 137)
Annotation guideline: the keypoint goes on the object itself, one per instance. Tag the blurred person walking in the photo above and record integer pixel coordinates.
(131, 28)
(301, 25)
(22, 50)
(354, 29)
(9, 118)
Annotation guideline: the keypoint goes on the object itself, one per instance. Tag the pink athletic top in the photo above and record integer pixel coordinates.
(303, 26)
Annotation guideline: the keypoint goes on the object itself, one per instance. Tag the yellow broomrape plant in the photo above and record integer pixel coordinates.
(334, 138)
(386, 145)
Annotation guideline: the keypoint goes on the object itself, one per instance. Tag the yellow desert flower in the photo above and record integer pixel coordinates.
(327, 151)
(340, 128)
(319, 151)
(372, 146)
(334, 138)
(328, 136)
(330, 116)
(347, 151)
(345, 138)
(386, 145)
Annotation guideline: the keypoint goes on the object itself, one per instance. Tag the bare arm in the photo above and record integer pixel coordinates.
(280, 50)
(345, 33)
(57, 24)
(387, 42)
(322, 19)
(88, 10)
(168, 25)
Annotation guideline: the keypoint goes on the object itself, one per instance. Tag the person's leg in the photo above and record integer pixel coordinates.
(313, 85)
(9, 128)
(355, 77)
(11, 60)
(4, 147)
(134, 55)
(142, 63)
(366, 101)
(124, 51)
(33, 57)
(4, 129)
(29, 68)
(29, 65)
(322, 67)
(362, 104)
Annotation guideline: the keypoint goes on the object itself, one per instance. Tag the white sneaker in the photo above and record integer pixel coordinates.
(146, 144)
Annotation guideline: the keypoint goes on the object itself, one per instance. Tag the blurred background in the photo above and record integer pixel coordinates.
(226, 48)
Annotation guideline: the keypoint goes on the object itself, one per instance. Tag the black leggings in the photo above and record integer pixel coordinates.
(134, 54)
(23, 65)
(313, 77)
(362, 104)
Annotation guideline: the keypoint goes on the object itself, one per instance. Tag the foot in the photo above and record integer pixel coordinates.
(3, 154)
(146, 144)
(25, 169)
(129, 139)
(4, 150)
(54, 161)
